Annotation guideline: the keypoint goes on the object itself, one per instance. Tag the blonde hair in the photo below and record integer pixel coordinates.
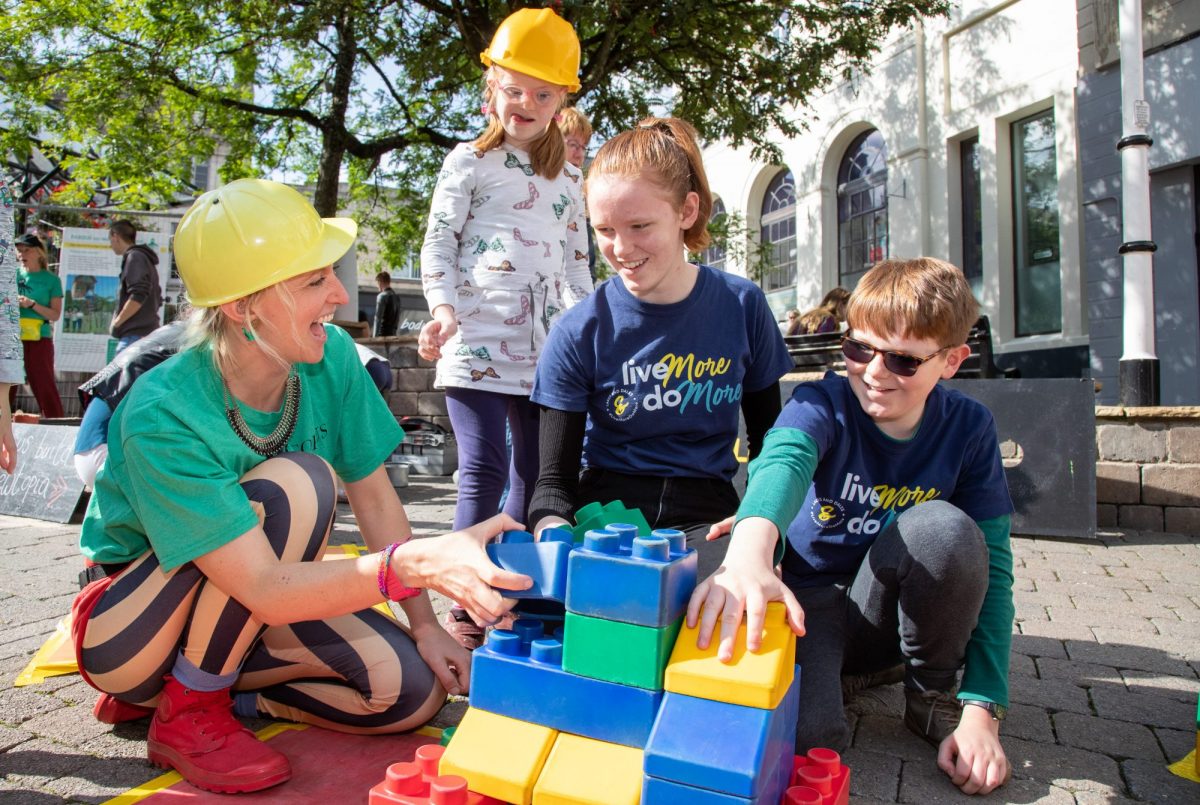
(921, 297)
(548, 153)
(43, 260)
(663, 150)
(210, 326)
(574, 122)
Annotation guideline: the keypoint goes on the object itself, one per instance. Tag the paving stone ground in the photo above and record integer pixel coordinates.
(1105, 676)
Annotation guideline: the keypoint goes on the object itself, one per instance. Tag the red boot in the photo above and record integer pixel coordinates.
(111, 710)
(195, 733)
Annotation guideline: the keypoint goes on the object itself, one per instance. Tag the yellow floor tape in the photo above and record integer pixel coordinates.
(56, 657)
(1186, 768)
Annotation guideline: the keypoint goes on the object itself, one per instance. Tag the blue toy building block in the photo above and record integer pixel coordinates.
(665, 792)
(723, 747)
(529, 684)
(544, 561)
(648, 585)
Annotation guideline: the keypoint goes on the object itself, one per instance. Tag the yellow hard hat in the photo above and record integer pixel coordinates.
(537, 42)
(251, 234)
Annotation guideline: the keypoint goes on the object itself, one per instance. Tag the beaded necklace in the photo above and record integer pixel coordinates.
(273, 444)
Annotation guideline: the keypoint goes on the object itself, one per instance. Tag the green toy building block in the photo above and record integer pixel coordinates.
(617, 652)
(595, 516)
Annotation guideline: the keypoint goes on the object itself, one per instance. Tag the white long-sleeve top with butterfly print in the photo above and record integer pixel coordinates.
(507, 249)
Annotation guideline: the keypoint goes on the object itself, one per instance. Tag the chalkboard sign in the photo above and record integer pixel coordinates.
(45, 485)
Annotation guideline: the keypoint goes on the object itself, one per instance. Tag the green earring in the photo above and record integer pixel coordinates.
(249, 335)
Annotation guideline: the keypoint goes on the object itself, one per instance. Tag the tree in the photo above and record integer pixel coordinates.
(128, 94)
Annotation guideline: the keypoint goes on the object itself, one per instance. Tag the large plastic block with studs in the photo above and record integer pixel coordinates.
(818, 778)
(595, 516)
(666, 792)
(624, 653)
(529, 683)
(758, 679)
(724, 747)
(417, 782)
(544, 561)
(583, 771)
(649, 584)
(498, 756)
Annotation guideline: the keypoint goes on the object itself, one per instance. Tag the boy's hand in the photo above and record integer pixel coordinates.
(972, 756)
(744, 582)
(718, 530)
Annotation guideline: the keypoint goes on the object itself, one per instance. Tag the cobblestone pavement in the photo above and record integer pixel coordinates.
(1105, 676)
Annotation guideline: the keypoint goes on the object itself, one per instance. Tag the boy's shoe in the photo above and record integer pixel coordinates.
(111, 710)
(854, 684)
(469, 634)
(931, 714)
(195, 733)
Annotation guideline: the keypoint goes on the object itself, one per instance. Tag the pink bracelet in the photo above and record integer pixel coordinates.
(390, 586)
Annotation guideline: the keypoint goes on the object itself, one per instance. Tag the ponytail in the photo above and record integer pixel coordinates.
(663, 150)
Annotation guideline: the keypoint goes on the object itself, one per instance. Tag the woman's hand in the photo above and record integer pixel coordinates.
(972, 756)
(25, 301)
(436, 332)
(450, 662)
(457, 566)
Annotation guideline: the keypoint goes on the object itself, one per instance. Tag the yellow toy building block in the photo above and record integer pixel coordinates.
(583, 771)
(499, 756)
(757, 679)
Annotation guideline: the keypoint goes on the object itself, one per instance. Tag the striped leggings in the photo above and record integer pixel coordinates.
(354, 673)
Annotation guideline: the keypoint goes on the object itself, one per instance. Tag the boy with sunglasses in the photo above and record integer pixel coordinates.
(895, 564)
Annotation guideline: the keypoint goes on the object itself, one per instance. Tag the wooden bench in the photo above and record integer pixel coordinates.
(818, 351)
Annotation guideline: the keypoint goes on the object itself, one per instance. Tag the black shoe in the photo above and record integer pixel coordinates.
(931, 714)
(854, 684)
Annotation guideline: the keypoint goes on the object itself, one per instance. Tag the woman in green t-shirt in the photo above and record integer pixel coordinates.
(202, 531)
(40, 295)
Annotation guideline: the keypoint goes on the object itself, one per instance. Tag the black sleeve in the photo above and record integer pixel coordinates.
(560, 445)
(760, 410)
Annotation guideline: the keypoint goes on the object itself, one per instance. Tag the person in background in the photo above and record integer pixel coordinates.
(387, 307)
(826, 317)
(791, 326)
(577, 133)
(12, 355)
(204, 594)
(139, 296)
(505, 253)
(41, 299)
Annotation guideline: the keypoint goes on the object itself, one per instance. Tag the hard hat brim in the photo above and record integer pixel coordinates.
(337, 236)
(542, 75)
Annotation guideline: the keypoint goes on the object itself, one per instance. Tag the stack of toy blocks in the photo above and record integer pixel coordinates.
(555, 721)
(725, 731)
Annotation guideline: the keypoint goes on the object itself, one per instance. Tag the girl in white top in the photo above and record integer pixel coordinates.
(505, 252)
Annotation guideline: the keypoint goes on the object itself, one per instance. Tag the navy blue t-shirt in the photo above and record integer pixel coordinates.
(662, 384)
(865, 479)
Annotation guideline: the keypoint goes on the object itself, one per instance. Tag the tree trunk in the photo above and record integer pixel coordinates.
(333, 134)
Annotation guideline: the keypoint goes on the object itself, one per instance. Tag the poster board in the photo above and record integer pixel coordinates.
(45, 486)
(90, 274)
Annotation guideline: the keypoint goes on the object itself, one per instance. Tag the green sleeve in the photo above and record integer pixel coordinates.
(779, 480)
(986, 673)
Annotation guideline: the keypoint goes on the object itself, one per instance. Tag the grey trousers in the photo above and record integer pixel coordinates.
(914, 600)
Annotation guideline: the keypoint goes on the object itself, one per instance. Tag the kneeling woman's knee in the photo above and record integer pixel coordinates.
(296, 495)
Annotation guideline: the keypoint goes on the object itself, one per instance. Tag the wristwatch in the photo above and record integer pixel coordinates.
(998, 711)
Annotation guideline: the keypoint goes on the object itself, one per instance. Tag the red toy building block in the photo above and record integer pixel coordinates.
(416, 782)
(818, 778)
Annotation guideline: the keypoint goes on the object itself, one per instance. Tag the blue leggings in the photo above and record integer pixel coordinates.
(478, 418)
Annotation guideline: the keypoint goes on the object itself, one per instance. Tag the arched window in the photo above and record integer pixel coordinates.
(862, 207)
(778, 232)
(714, 255)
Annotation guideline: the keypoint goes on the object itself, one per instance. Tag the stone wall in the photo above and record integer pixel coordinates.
(412, 391)
(1148, 468)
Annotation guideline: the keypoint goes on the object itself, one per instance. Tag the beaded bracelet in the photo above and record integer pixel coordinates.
(390, 586)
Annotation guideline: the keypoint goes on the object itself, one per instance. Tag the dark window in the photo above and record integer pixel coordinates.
(778, 232)
(714, 255)
(862, 207)
(1038, 275)
(972, 220)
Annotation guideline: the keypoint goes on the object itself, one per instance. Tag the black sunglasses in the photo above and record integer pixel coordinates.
(898, 363)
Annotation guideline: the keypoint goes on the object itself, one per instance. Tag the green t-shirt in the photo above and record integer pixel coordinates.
(171, 479)
(41, 287)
